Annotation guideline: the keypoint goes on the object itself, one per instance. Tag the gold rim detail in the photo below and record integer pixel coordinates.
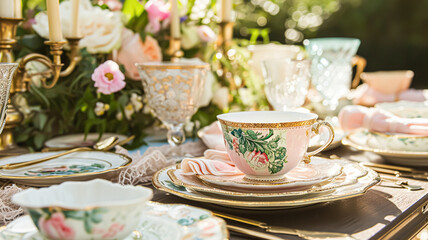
(348, 142)
(266, 204)
(127, 159)
(268, 125)
(143, 66)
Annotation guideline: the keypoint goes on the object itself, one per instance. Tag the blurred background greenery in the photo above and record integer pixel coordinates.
(393, 33)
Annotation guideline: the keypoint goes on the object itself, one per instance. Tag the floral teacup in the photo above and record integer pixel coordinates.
(92, 210)
(265, 145)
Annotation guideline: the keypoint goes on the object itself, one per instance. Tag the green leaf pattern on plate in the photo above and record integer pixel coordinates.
(66, 170)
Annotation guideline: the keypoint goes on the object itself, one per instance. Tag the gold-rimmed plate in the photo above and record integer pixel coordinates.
(76, 166)
(350, 174)
(301, 177)
(359, 139)
(163, 182)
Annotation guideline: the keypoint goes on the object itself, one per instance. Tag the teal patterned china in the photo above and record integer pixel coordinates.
(331, 67)
(159, 222)
(96, 209)
(265, 145)
(76, 166)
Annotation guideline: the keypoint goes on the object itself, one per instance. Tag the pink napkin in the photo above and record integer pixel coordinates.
(367, 96)
(374, 119)
(214, 163)
(212, 136)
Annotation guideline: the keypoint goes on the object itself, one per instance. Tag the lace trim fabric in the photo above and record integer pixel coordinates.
(141, 170)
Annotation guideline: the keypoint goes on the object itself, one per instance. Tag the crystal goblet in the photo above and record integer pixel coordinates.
(332, 67)
(7, 71)
(173, 91)
(286, 82)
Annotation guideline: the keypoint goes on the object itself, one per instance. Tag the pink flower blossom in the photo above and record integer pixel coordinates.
(108, 78)
(114, 5)
(206, 34)
(113, 230)
(55, 227)
(134, 50)
(157, 11)
(256, 159)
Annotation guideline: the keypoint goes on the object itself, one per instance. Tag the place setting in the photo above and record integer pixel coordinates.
(264, 165)
(395, 131)
(212, 120)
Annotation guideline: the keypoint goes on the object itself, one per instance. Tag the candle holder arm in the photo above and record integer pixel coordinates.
(74, 56)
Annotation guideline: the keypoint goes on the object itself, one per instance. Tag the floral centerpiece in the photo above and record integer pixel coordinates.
(104, 93)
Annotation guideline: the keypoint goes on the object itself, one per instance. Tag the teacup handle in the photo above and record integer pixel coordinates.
(316, 129)
(361, 63)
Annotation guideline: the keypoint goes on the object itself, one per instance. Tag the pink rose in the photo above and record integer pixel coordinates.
(108, 78)
(55, 227)
(206, 34)
(133, 51)
(256, 159)
(157, 11)
(235, 144)
(114, 5)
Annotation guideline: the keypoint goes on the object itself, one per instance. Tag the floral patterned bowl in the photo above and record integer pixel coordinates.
(265, 145)
(96, 209)
(397, 142)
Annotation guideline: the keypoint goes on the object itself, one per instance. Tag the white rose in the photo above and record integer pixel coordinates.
(100, 28)
(221, 97)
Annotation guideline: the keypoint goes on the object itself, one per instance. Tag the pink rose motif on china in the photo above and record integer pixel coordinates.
(55, 227)
(256, 159)
(108, 78)
(235, 144)
(113, 230)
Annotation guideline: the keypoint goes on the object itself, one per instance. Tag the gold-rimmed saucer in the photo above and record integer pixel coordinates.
(358, 140)
(163, 182)
(350, 174)
(302, 176)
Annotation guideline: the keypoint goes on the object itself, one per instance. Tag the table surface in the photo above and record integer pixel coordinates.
(382, 213)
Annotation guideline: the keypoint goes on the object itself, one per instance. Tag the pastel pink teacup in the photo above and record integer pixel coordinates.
(388, 82)
(265, 145)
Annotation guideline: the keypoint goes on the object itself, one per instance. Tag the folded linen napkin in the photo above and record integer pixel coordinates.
(212, 136)
(374, 119)
(367, 96)
(215, 162)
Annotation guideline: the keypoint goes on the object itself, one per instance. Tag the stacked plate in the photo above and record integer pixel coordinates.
(323, 180)
(403, 149)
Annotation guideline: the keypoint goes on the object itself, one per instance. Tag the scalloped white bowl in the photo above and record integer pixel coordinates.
(96, 209)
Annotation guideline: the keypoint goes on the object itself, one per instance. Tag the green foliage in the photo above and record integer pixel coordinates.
(69, 108)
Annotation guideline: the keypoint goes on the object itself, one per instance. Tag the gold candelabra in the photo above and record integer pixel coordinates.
(22, 79)
(174, 49)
